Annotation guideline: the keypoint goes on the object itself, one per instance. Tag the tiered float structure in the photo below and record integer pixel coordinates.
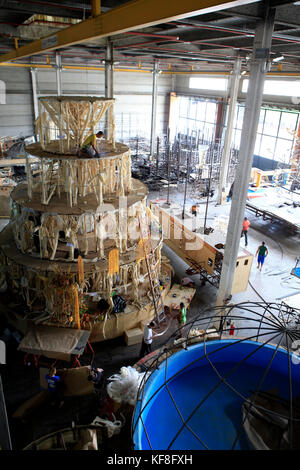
(74, 236)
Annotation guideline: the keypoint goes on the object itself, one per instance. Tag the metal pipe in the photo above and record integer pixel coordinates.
(109, 92)
(189, 156)
(166, 72)
(168, 163)
(34, 92)
(248, 32)
(208, 191)
(179, 156)
(189, 26)
(157, 154)
(234, 88)
(152, 35)
(58, 74)
(154, 107)
(180, 54)
(139, 44)
(258, 68)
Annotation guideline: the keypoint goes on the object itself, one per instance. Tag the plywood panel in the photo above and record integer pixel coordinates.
(184, 242)
(191, 246)
(242, 273)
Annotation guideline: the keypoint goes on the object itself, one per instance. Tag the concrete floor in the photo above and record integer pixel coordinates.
(273, 283)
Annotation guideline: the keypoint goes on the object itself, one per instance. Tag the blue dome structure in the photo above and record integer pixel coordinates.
(233, 392)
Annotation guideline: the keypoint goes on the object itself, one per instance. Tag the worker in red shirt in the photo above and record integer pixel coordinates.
(231, 329)
(246, 224)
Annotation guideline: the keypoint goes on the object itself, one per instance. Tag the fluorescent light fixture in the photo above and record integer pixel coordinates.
(243, 72)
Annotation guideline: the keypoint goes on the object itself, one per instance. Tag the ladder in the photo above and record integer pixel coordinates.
(152, 271)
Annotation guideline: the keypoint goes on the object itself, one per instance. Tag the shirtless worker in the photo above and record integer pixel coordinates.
(88, 148)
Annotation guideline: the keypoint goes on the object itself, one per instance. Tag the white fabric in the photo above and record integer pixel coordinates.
(123, 387)
(113, 427)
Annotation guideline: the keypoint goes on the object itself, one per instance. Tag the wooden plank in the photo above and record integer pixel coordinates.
(15, 161)
(182, 294)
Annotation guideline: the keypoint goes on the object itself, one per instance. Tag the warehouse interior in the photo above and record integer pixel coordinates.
(199, 105)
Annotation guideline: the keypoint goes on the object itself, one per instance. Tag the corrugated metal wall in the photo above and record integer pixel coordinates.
(133, 93)
(16, 115)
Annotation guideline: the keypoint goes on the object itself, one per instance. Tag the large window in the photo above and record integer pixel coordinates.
(277, 87)
(275, 133)
(130, 125)
(276, 130)
(194, 116)
(209, 83)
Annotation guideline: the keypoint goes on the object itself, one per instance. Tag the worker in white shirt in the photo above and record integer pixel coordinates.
(146, 347)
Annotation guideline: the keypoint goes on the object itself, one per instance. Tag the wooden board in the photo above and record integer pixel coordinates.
(183, 294)
(194, 247)
(133, 336)
(55, 343)
(15, 161)
(75, 381)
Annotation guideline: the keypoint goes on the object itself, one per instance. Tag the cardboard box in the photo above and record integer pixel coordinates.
(133, 336)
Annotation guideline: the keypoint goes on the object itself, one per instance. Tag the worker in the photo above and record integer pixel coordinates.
(262, 251)
(194, 212)
(187, 282)
(181, 317)
(229, 197)
(88, 147)
(231, 329)
(246, 224)
(55, 387)
(96, 376)
(148, 336)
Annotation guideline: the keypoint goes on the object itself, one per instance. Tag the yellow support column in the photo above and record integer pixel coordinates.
(96, 8)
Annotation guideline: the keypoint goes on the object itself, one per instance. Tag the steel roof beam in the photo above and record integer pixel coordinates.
(128, 17)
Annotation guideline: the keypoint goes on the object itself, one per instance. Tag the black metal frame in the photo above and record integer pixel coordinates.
(266, 320)
(272, 217)
(205, 276)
